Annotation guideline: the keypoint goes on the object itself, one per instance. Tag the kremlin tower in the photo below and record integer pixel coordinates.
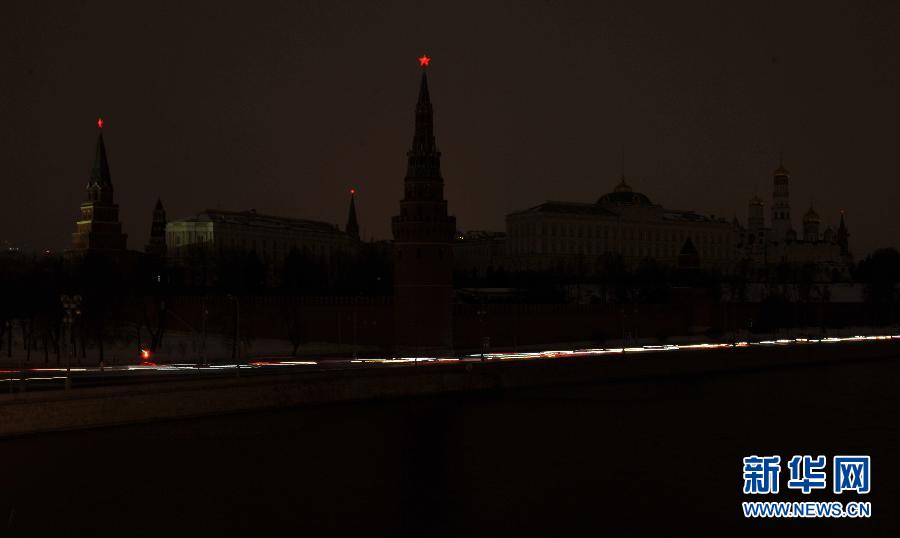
(352, 228)
(156, 246)
(423, 232)
(98, 228)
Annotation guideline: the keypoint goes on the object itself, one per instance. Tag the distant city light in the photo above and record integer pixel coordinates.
(424, 60)
(279, 362)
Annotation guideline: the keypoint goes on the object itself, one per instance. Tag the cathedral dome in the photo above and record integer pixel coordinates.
(622, 186)
(623, 194)
(811, 216)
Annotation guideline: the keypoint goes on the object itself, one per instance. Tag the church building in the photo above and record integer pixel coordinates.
(780, 243)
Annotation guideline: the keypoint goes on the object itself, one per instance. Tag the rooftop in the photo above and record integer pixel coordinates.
(571, 208)
(690, 216)
(251, 218)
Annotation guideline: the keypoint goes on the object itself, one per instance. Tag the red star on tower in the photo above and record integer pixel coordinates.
(424, 61)
(99, 123)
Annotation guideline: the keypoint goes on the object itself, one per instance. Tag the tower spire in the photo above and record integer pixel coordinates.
(157, 244)
(99, 228)
(424, 159)
(100, 183)
(100, 170)
(843, 236)
(424, 97)
(352, 228)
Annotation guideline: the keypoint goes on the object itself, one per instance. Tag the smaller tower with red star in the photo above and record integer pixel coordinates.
(98, 227)
(352, 228)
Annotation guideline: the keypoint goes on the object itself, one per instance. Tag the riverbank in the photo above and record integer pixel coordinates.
(25, 413)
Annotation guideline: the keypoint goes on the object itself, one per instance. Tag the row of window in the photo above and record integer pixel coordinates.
(554, 229)
(591, 248)
(267, 248)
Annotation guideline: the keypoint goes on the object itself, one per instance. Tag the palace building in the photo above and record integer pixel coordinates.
(270, 237)
(574, 237)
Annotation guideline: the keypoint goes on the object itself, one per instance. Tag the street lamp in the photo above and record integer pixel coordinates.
(72, 309)
(481, 313)
(237, 333)
(21, 360)
(355, 348)
(205, 316)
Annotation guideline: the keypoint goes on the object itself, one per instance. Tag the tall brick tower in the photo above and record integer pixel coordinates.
(98, 228)
(781, 204)
(156, 246)
(423, 232)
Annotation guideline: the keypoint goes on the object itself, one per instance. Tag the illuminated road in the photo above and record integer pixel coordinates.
(610, 456)
(44, 378)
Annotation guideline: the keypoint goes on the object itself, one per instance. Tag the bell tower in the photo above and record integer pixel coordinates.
(781, 204)
(755, 219)
(423, 232)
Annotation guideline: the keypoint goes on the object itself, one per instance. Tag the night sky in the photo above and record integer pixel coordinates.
(284, 106)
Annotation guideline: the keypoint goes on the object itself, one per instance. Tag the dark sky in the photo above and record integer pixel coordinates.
(283, 106)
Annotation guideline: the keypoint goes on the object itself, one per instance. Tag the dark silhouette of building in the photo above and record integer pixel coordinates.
(271, 237)
(843, 237)
(578, 238)
(423, 234)
(352, 228)
(157, 244)
(688, 257)
(99, 228)
(782, 229)
(781, 243)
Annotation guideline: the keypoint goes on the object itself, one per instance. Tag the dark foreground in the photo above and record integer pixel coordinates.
(652, 454)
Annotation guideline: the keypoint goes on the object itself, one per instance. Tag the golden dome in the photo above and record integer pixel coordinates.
(622, 186)
(811, 216)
